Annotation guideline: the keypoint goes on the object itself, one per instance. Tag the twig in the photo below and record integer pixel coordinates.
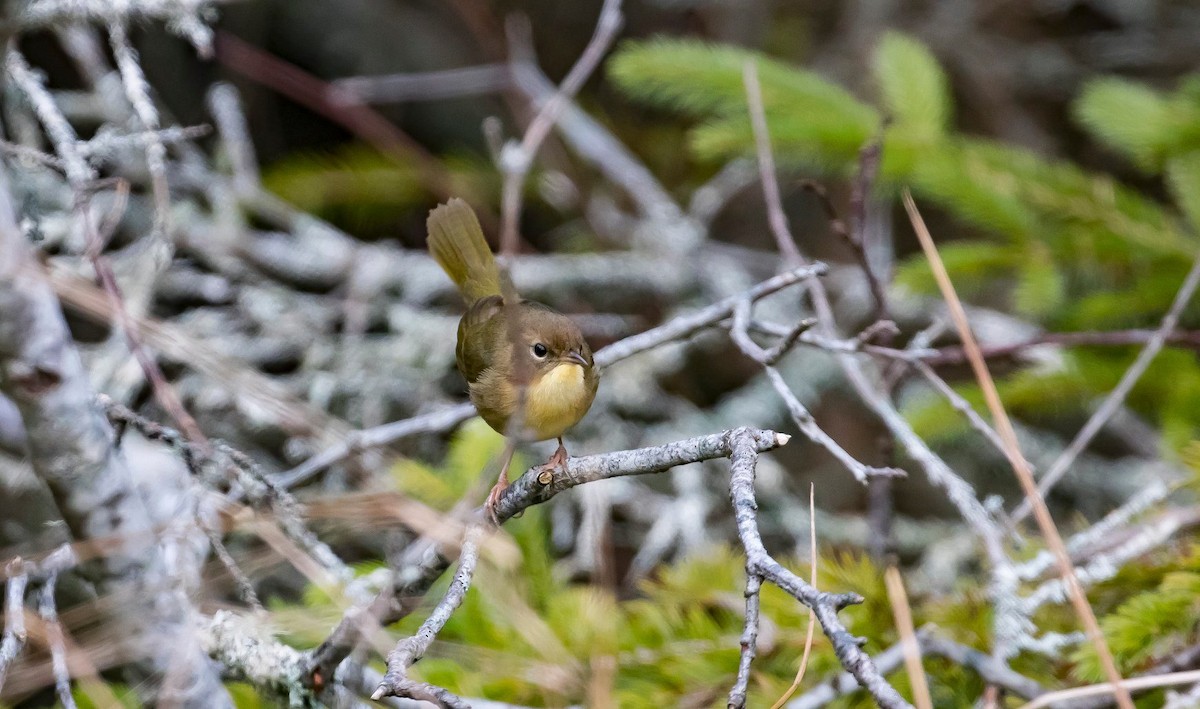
(516, 159)
(848, 648)
(800, 414)
(164, 393)
(908, 637)
(338, 106)
(1154, 493)
(749, 640)
(428, 85)
(594, 143)
(990, 669)
(424, 562)
(245, 588)
(812, 617)
(826, 691)
(365, 439)
(54, 639)
(411, 649)
(261, 490)
(14, 615)
(225, 106)
(1188, 339)
(446, 419)
(766, 163)
(1013, 450)
(686, 325)
(1150, 535)
(183, 17)
(959, 404)
(1116, 398)
(137, 91)
(104, 144)
(1168, 680)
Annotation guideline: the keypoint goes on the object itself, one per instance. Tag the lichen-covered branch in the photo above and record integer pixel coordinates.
(424, 562)
(14, 636)
(409, 650)
(743, 459)
(70, 446)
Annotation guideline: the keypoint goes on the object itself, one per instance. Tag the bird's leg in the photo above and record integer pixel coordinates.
(493, 497)
(559, 458)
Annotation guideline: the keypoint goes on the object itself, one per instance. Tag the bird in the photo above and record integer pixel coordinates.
(529, 371)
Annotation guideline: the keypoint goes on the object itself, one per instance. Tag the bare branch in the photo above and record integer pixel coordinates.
(848, 648)
(749, 640)
(428, 85)
(411, 649)
(14, 615)
(516, 159)
(446, 419)
(1116, 398)
(48, 611)
(766, 165)
(424, 562)
(800, 415)
(845, 683)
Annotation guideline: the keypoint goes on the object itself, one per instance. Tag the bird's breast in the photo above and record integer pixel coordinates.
(557, 400)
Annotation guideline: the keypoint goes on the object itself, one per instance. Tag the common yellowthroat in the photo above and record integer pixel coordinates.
(529, 371)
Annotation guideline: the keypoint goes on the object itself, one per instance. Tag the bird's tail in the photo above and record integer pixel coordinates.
(457, 244)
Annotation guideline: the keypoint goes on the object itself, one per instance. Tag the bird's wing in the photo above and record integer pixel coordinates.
(480, 328)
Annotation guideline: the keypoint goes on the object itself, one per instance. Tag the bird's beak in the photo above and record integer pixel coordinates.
(578, 358)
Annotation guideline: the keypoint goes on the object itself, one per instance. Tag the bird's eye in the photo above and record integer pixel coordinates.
(540, 351)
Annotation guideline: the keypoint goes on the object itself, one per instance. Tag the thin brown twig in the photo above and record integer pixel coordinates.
(164, 393)
(766, 163)
(340, 106)
(1013, 451)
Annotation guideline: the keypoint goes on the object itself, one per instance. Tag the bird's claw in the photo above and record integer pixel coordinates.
(557, 461)
(493, 499)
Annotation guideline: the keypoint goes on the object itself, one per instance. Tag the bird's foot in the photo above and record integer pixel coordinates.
(559, 459)
(493, 499)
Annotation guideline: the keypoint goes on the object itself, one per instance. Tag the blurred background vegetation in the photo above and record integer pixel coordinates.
(1054, 146)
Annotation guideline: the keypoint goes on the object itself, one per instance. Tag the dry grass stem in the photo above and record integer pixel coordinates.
(902, 612)
(1013, 451)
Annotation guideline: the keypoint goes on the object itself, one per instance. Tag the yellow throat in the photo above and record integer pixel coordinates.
(557, 400)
